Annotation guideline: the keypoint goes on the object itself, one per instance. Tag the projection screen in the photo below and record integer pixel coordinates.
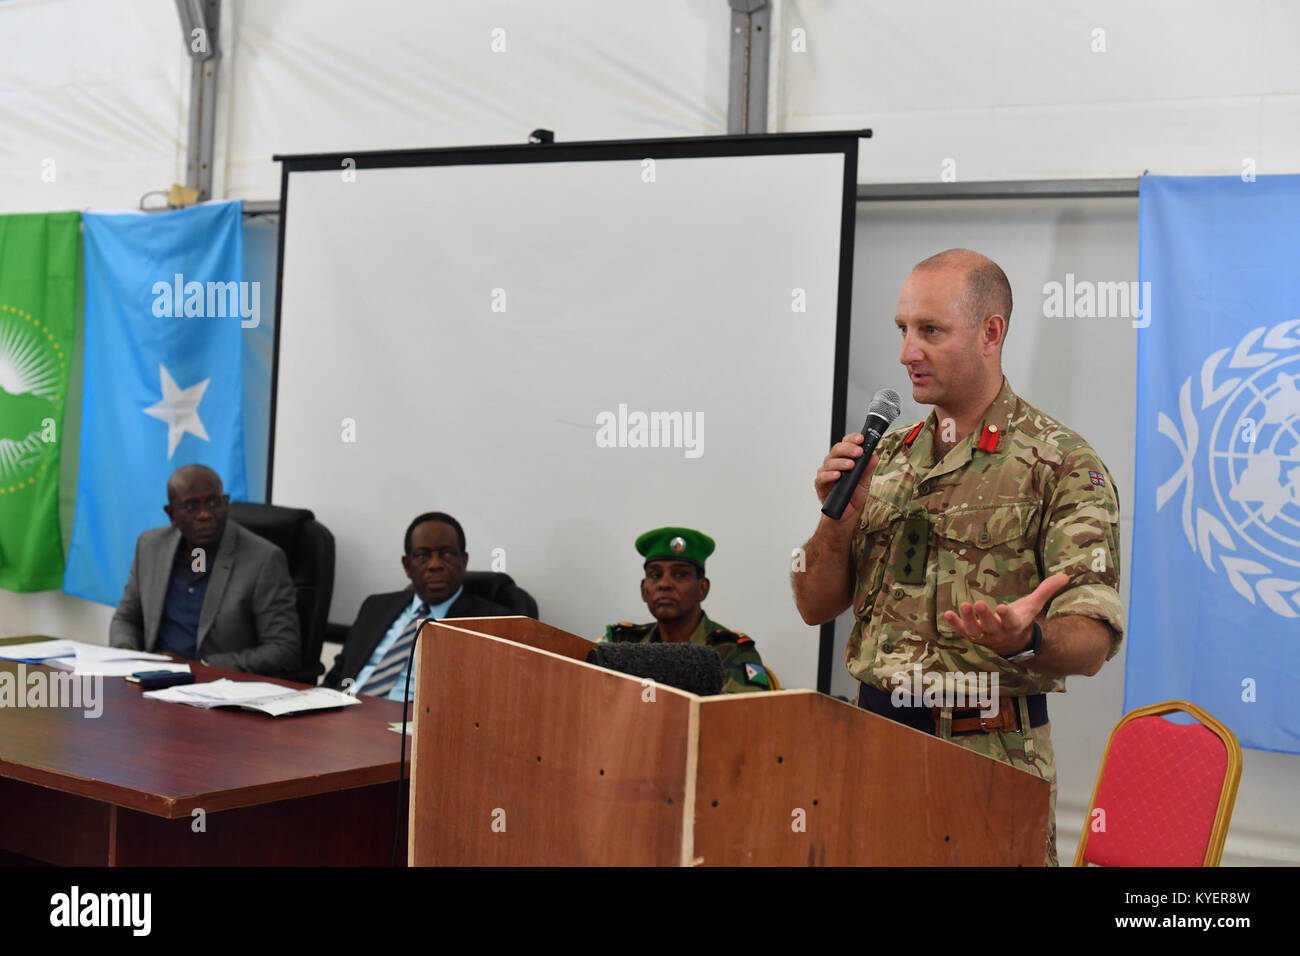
(564, 347)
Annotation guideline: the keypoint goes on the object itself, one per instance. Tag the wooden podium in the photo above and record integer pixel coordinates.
(523, 754)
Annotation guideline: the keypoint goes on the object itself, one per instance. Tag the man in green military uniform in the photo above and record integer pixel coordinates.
(673, 588)
(982, 542)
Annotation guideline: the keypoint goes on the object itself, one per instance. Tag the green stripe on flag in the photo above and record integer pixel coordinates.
(38, 297)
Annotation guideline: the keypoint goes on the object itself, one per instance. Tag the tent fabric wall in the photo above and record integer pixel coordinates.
(1007, 89)
(394, 75)
(111, 108)
(93, 98)
(1014, 89)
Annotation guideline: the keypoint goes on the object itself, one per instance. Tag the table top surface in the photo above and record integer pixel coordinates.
(169, 759)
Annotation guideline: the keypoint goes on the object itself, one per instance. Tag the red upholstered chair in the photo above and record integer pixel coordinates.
(1165, 791)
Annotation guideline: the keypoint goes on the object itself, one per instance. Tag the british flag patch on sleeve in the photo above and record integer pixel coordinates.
(1097, 479)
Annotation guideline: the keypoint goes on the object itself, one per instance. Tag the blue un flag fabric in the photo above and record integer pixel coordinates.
(1214, 612)
(165, 308)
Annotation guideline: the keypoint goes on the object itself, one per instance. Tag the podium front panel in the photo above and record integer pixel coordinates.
(523, 756)
(795, 778)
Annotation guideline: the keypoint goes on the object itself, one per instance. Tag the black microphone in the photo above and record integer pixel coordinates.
(688, 667)
(881, 413)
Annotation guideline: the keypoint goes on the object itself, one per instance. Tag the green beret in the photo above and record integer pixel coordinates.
(675, 544)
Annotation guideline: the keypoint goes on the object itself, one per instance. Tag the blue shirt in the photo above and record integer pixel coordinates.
(178, 632)
(409, 614)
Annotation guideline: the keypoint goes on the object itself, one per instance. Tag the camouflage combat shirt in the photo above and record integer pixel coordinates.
(999, 522)
(742, 668)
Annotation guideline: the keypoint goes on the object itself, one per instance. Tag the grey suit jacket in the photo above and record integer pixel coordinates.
(249, 620)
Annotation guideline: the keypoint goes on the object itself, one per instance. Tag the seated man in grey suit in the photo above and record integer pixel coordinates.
(378, 645)
(206, 588)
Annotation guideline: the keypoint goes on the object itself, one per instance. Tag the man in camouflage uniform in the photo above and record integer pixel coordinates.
(983, 539)
(673, 587)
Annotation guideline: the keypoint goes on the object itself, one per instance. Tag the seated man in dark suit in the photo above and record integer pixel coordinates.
(378, 645)
(206, 588)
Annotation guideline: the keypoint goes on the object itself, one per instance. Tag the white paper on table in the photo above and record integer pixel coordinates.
(294, 701)
(226, 691)
(217, 693)
(115, 661)
(36, 650)
(273, 699)
(99, 652)
(120, 668)
(176, 695)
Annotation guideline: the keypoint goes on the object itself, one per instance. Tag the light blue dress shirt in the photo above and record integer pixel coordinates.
(390, 638)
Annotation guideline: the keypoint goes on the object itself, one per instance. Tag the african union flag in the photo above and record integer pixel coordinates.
(38, 293)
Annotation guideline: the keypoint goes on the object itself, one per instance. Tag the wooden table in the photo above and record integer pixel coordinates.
(127, 788)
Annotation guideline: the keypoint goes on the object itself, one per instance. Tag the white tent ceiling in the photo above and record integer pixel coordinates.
(94, 93)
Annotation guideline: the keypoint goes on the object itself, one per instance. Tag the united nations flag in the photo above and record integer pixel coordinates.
(1215, 601)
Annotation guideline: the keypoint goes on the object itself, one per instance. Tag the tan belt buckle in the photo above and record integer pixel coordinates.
(1005, 720)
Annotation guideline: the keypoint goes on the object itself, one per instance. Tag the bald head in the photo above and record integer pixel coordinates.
(987, 291)
(186, 476)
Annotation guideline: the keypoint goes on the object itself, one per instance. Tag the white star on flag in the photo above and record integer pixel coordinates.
(179, 408)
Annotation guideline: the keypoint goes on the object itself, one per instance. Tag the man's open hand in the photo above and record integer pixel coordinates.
(1006, 630)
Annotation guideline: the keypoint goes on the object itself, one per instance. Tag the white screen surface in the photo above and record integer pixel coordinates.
(476, 322)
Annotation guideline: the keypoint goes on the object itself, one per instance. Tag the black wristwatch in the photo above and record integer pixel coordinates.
(1035, 646)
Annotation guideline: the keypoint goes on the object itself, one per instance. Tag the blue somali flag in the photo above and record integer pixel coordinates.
(1215, 601)
(165, 305)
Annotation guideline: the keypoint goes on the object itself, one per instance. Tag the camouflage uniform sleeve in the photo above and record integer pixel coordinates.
(742, 667)
(1080, 536)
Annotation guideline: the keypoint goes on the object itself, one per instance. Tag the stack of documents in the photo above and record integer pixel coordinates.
(36, 652)
(82, 658)
(115, 662)
(273, 699)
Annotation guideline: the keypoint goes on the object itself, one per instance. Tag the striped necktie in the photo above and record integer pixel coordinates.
(383, 678)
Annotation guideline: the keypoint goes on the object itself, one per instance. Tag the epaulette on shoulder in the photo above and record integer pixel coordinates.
(724, 636)
(1037, 426)
(1055, 442)
(909, 433)
(627, 631)
(898, 438)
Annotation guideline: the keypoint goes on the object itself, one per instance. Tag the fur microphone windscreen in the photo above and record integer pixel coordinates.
(688, 667)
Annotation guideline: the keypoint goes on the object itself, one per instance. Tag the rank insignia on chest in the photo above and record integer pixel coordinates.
(911, 550)
(1097, 479)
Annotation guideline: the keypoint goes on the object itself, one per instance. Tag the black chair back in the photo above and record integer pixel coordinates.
(500, 587)
(309, 546)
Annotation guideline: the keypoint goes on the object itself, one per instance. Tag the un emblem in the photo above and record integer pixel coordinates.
(1246, 408)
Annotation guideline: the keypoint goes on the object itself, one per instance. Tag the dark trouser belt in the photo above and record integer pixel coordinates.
(965, 721)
